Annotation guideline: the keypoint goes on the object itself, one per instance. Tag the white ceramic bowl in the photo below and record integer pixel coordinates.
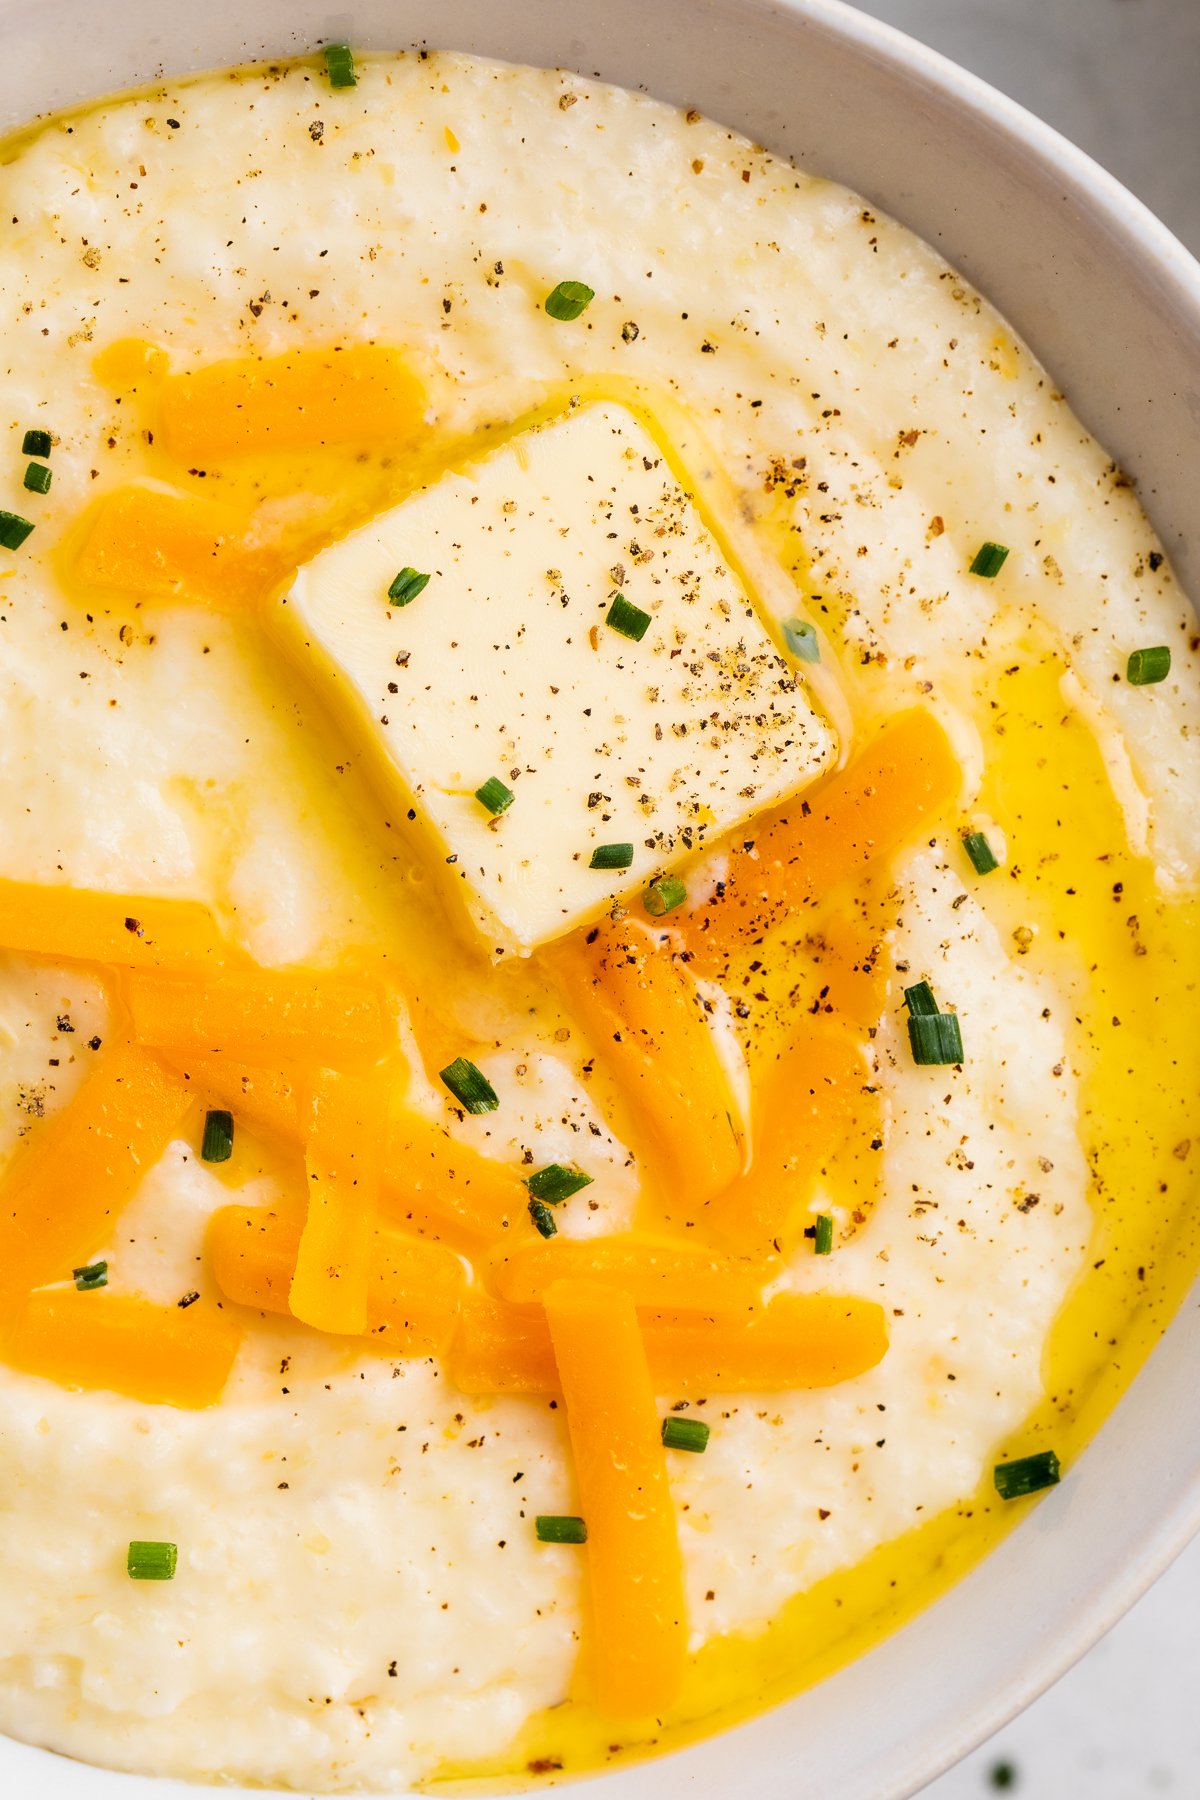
(1111, 303)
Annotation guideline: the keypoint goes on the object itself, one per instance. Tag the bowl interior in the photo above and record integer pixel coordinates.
(1111, 304)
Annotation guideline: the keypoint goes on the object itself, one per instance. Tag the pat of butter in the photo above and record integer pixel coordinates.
(505, 667)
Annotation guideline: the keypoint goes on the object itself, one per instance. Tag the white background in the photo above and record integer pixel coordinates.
(1122, 79)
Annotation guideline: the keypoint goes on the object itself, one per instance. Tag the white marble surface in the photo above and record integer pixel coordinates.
(1121, 1725)
(1122, 79)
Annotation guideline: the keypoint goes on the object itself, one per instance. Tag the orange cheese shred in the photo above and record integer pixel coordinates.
(851, 968)
(343, 1164)
(861, 814)
(800, 1112)
(163, 1355)
(174, 546)
(264, 1099)
(302, 400)
(443, 1188)
(676, 1277)
(252, 1250)
(502, 1349)
(67, 1182)
(796, 1341)
(131, 931)
(414, 1289)
(433, 1185)
(634, 1563)
(646, 1018)
(262, 1015)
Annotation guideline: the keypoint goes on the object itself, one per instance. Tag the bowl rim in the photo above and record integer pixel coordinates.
(1012, 120)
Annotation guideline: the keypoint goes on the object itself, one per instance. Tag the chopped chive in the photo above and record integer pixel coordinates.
(556, 1183)
(823, 1236)
(559, 1528)
(35, 443)
(470, 1086)
(1027, 1475)
(663, 895)
(92, 1275)
(150, 1561)
(38, 478)
(406, 586)
(801, 639)
(217, 1143)
(495, 796)
(627, 618)
(935, 1038)
(1145, 667)
(919, 998)
(611, 856)
(569, 299)
(685, 1434)
(339, 62)
(980, 853)
(543, 1218)
(13, 530)
(989, 560)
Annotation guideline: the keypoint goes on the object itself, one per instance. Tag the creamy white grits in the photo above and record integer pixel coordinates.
(360, 1600)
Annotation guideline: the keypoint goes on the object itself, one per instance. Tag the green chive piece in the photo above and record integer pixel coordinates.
(495, 796)
(989, 560)
(1027, 1475)
(1145, 667)
(13, 530)
(801, 639)
(569, 299)
(627, 618)
(470, 1086)
(685, 1434)
(556, 1183)
(38, 478)
(92, 1275)
(823, 1237)
(935, 1038)
(406, 586)
(979, 852)
(339, 61)
(663, 895)
(217, 1143)
(919, 998)
(150, 1561)
(543, 1218)
(559, 1528)
(611, 856)
(35, 443)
